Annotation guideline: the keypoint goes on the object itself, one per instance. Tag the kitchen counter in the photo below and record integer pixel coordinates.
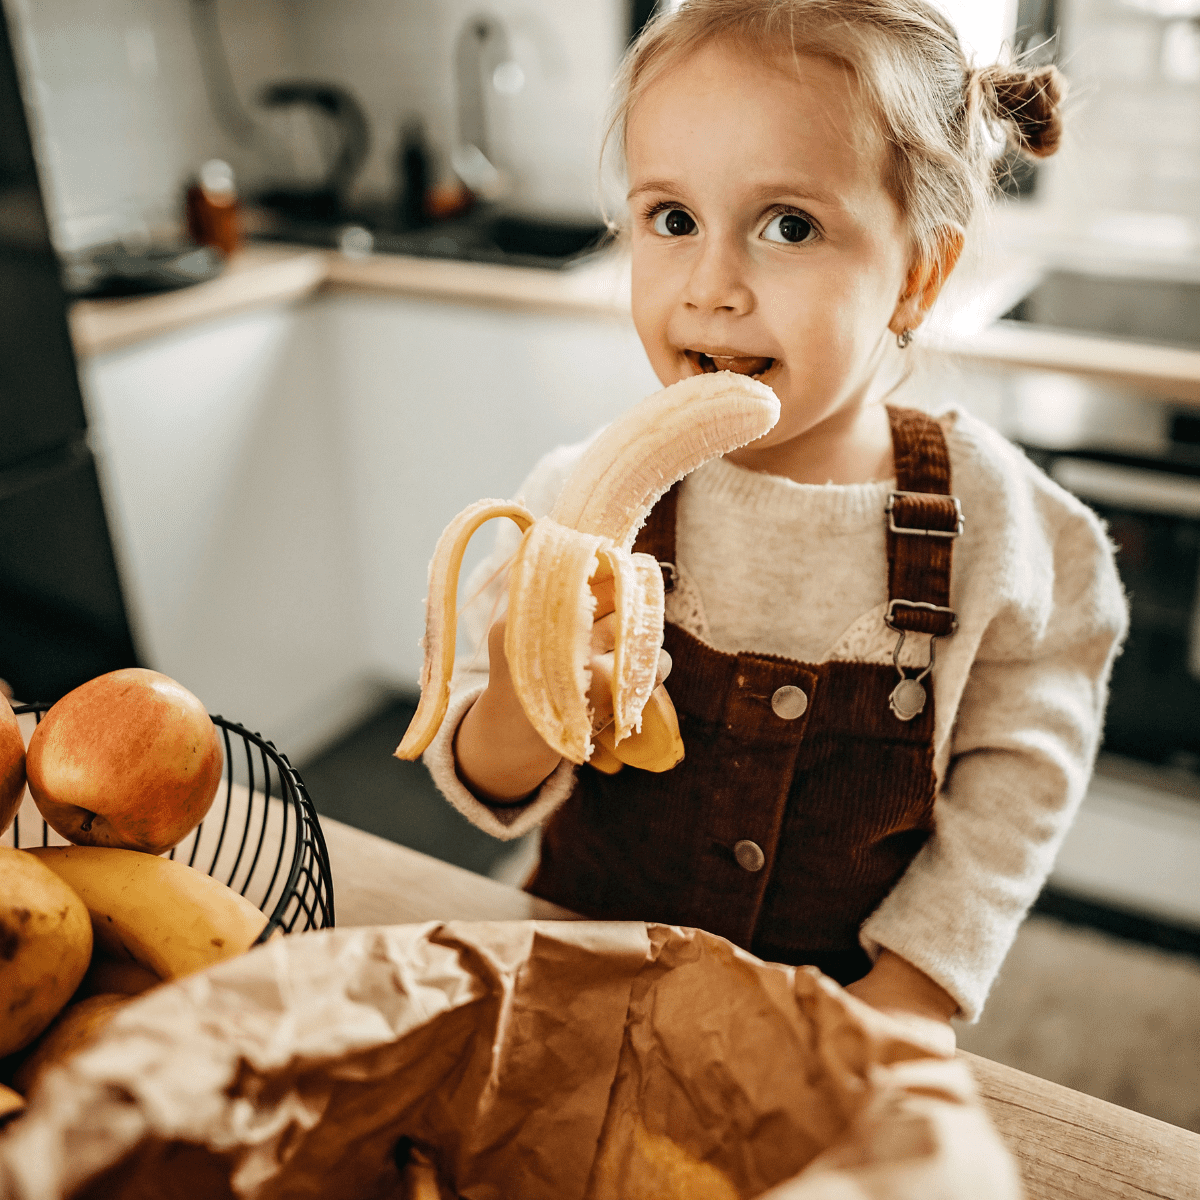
(1069, 1146)
(271, 274)
(963, 325)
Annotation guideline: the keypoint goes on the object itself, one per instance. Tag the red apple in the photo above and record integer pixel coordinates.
(130, 759)
(12, 764)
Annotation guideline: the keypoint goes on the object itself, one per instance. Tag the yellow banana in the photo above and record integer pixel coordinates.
(11, 1103)
(587, 537)
(163, 915)
(45, 945)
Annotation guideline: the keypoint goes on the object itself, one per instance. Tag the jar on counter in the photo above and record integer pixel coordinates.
(212, 209)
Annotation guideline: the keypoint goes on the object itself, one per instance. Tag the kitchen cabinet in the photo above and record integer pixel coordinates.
(218, 454)
(277, 480)
(442, 404)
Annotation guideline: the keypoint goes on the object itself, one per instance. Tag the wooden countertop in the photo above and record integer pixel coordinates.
(274, 274)
(1069, 1146)
(599, 287)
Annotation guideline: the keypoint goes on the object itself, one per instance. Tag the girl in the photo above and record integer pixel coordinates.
(890, 634)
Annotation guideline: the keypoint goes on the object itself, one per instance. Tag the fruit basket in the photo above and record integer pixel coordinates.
(261, 837)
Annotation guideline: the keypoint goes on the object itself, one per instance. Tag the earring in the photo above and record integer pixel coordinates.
(904, 338)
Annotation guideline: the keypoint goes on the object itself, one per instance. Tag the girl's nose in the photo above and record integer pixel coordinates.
(718, 279)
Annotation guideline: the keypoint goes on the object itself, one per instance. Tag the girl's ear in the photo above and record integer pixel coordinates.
(925, 279)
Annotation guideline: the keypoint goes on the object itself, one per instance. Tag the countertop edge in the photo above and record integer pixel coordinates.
(598, 288)
(261, 275)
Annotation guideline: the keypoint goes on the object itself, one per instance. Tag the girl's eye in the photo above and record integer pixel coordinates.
(790, 229)
(674, 222)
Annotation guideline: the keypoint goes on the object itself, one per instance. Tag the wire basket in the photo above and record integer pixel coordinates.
(264, 842)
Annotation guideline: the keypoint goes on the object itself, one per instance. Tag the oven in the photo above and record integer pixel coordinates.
(1151, 504)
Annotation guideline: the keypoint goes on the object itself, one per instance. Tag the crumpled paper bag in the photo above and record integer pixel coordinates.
(529, 1060)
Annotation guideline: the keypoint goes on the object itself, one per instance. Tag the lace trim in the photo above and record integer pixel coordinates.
(869, 640)
(685, 608)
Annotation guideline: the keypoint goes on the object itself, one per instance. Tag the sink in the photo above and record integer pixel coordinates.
(1137, 309)
(483, 235)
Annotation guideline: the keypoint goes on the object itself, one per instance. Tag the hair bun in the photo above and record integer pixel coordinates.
(1030, 102)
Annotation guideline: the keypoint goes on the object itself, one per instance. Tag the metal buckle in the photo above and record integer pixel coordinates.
(940, 533)
(888, 617)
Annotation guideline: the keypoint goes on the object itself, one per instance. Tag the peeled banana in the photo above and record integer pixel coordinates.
(163, 915)
(587, 537)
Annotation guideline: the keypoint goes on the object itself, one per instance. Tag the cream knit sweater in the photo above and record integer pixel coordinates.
(772, 566)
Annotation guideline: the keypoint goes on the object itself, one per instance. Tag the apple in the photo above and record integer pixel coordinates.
(12, 764)
(130, 759)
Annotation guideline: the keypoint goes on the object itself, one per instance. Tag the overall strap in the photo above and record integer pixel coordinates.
(923, 521)
(657, 536)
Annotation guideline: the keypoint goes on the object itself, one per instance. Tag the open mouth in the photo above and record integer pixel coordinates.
(739, 364)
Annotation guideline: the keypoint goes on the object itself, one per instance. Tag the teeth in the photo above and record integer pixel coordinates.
(587, 537)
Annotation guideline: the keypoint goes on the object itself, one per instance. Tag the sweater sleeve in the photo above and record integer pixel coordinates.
(486, 600)
(1026, 734)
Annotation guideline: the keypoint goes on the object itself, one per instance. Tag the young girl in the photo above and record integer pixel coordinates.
(890, 634)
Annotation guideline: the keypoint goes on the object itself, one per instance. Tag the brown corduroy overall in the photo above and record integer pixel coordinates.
(803, 796)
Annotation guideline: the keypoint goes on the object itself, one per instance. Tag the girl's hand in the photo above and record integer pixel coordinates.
(893, 985)
(604, 633)
(498, 753)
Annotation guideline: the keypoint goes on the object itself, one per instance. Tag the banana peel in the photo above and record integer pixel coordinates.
(588, 537)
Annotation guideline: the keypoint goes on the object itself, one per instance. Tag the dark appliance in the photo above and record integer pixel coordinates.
(324, 200)
(1150, 501)
(62, 617)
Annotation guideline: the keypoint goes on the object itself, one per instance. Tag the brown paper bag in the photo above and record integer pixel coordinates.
(528, 1060)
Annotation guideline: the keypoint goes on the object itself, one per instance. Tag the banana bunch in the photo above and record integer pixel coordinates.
(161, 914)
(587, 540)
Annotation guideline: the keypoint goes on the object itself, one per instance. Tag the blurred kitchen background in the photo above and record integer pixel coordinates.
(233, 466)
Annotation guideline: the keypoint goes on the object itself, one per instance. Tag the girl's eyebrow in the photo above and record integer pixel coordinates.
(800, 190)
(797, 189)
(653, 185)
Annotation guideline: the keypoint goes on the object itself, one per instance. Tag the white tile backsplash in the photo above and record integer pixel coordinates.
(1133, 118)
(398, 58)
(118, 104)
(123, 119)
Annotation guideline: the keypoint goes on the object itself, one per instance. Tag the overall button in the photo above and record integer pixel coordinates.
(789, 703)
(749, 854)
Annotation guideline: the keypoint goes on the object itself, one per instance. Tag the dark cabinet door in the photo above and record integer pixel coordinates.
(62, 620)
(40, 404)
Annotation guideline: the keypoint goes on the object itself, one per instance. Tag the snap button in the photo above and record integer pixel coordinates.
(789, 702)
(749, 854)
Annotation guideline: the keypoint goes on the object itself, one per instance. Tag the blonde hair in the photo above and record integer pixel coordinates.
(942, 120)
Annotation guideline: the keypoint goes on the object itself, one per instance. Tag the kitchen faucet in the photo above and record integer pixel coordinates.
(482, 61)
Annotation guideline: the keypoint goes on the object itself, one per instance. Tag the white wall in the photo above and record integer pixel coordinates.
(120, 115)
(984, 26)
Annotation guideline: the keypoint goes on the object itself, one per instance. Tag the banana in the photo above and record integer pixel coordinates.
(45, 946)
(587, 537)
(163, 915)
(11, 1103)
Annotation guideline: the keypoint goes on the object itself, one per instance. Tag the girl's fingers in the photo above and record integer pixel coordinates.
(600, 693)
(604, 634)
(664, 667)
(605, 592)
